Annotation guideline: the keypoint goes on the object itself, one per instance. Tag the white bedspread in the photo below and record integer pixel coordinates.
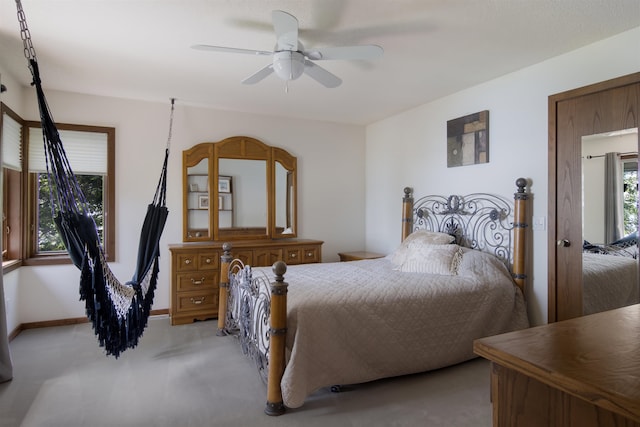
(359, 321)
(608, 282)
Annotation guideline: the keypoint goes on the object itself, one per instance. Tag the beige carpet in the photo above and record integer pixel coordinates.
(186, 376)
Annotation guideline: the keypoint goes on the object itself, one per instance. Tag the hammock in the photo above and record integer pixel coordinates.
(117, 311)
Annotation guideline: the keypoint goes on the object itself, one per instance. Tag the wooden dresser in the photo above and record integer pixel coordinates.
(195, 270)
(582, 372)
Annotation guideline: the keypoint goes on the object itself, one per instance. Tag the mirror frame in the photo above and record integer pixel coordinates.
(190, 158)
(242, 148)
(290, 164)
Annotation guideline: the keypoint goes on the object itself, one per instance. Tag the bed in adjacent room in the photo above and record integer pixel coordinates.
(457, 276)
(610, 275)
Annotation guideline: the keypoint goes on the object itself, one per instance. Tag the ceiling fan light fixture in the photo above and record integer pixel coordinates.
(288, 64)
(290, 59)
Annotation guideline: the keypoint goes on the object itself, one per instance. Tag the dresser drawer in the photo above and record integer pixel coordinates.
(208, 260)
(311, 254)
(266, 257)
(195, 280)
(293, 255)
(197, 300)
(301, 255)
(189, 261)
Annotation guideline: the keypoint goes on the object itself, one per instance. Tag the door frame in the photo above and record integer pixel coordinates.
(565, 294)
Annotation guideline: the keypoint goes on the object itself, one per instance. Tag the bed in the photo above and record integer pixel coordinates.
(457, 276)
(610, 275)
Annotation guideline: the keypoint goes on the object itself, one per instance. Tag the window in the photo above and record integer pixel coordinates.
(91, 153)
(29, 235)
(630, 201)
(11, 178)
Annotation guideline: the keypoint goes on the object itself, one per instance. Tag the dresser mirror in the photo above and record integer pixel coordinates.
(243, 209)
(239, 188)
(285, 194)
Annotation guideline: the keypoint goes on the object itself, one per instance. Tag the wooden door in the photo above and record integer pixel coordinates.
(602, 107)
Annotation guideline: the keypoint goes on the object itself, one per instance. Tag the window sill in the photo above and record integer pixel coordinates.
(8, 266)
(57, 259)
(53, 259)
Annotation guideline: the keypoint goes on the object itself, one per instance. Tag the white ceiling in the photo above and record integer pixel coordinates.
(140, 49)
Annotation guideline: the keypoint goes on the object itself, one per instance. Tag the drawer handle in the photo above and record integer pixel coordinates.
(293, 255)
(309, 254)
(208, 260)
(187, 261)
(197, 282)
(198, 301)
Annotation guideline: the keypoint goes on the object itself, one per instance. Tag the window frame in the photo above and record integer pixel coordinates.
(33, 256)
(13, 192)
(631, 158)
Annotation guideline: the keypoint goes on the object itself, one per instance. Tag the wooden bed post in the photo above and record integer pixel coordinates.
(277, 341)
(225, 259)
(519, 231)
(407, 212)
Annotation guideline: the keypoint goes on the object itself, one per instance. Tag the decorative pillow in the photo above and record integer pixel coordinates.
(419, 237)
(429, 237)
(432, 259)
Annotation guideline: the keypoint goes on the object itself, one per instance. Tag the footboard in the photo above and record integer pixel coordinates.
(255, 311)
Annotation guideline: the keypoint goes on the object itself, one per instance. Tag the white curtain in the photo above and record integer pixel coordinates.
(613, 198)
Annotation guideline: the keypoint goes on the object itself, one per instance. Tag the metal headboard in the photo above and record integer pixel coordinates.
(478, 221)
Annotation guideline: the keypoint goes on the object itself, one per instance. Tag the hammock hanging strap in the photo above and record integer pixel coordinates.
(118, 312)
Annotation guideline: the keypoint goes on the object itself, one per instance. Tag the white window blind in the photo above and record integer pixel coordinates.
(86, 151)
(11, 143)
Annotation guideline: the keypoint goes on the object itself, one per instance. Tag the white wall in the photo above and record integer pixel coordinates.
(409, 149)
(330, 205)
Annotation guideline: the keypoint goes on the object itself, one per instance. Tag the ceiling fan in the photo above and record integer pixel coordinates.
(291, 60)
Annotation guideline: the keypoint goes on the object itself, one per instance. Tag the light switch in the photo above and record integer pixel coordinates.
(539, 223)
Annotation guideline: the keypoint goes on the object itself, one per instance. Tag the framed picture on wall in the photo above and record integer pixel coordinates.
(203, 202)
(224, 184)
(468, 140)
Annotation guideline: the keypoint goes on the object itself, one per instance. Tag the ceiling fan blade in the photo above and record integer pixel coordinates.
(259, 76)
(286, 28)
(230, 49)
(321, 75)
(345, 52)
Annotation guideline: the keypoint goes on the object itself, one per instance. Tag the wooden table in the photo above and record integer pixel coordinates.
(581, 372)
(358, 255)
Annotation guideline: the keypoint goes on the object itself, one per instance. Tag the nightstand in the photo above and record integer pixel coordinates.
(359, 255)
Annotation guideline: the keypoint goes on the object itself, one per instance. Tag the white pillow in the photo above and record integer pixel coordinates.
(432, 259)
(429, 237)
(419, 237)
